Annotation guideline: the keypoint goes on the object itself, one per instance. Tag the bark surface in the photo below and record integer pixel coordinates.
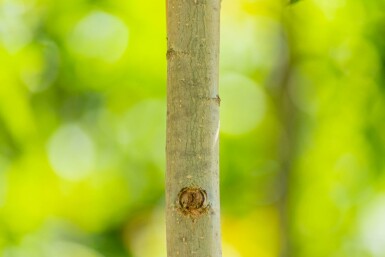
(192, 177)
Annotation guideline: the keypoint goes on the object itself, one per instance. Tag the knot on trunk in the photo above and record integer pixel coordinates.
(193, 201)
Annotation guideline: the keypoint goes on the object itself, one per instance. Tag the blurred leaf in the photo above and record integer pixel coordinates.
(294, 1)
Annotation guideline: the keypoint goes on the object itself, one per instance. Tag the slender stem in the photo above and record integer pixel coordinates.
(192, 177)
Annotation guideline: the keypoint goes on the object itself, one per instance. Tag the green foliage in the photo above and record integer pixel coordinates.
(294, 1)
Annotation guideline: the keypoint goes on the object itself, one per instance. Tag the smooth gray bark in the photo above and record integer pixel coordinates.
(192, 177)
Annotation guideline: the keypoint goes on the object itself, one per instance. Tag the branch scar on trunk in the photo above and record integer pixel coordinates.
(192, 202)
(173, 53)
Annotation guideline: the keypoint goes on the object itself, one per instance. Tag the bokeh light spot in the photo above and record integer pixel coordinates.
(256, 47)
(15, 27)
(242, 105)
(142, 131)
(100, 35)
(71, 152)
(40, 65)
(373, 227)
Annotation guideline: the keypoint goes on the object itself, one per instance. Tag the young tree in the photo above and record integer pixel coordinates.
(192, 177)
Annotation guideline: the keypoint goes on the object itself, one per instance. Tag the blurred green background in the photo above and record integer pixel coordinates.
(82, 128)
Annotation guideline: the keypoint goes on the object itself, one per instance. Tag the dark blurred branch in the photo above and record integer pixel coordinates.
(286, 113)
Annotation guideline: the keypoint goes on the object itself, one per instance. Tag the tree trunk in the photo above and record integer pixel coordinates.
(192, 177)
